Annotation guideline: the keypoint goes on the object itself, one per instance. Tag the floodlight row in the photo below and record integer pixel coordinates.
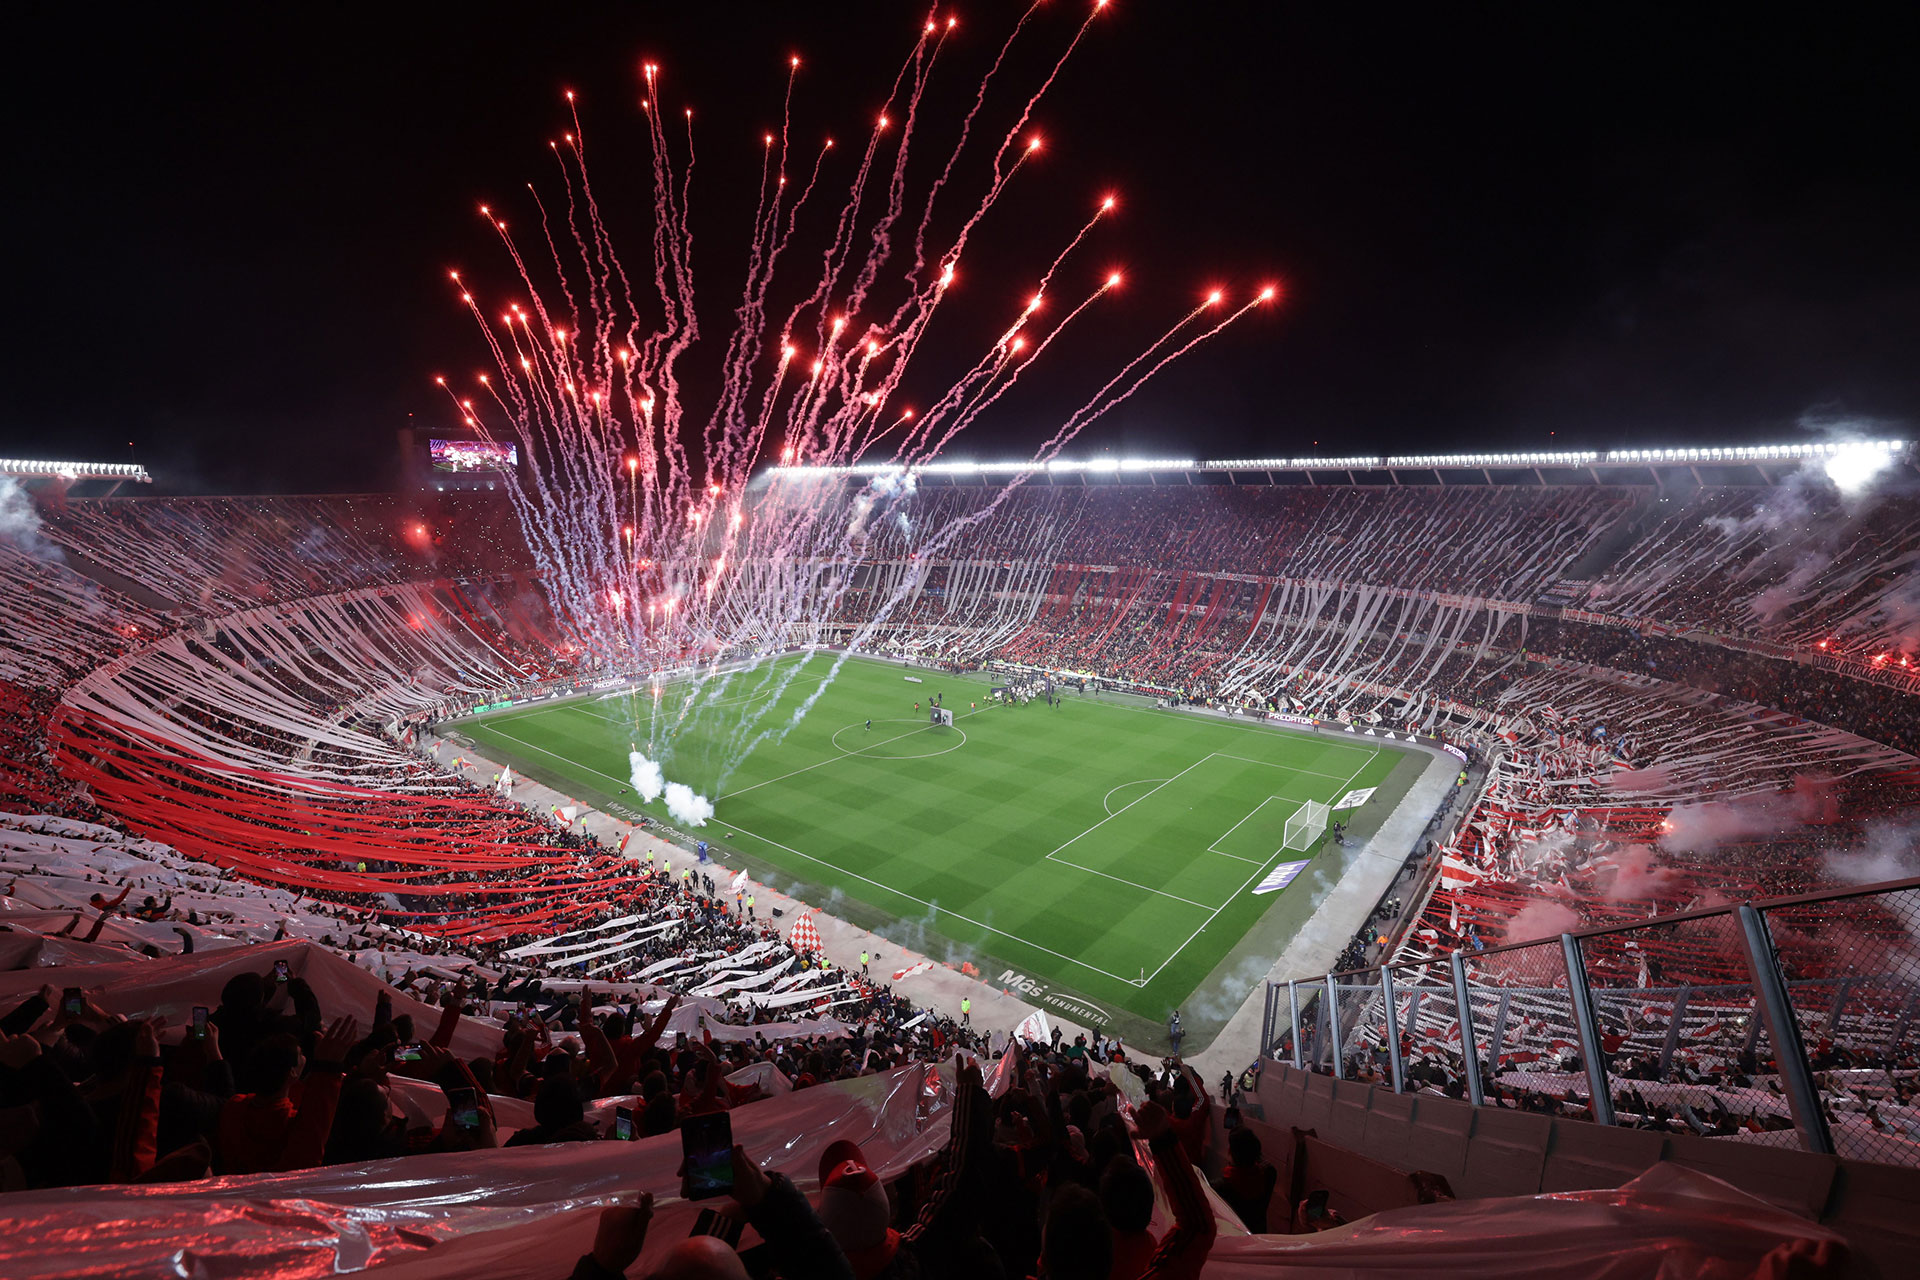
(76, 470)
(1424, 462)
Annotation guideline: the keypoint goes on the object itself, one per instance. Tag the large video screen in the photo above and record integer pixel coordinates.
(467, 456)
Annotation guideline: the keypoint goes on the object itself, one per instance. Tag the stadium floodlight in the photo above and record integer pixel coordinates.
(1570, 458)
(76, 470)
(1306, 825)
(1296, 464)
(1886, 450)
(1852, 470)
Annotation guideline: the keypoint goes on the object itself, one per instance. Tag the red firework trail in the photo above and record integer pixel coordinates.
(622, 498)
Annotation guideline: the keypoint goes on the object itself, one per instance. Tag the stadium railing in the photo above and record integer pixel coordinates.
(1792, 1022)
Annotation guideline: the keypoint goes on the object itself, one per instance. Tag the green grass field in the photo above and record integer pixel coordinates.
(1105, 851)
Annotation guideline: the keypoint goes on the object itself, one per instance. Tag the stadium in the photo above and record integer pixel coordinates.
(805, 844)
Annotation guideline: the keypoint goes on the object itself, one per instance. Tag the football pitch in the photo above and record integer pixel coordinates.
(1103, 856)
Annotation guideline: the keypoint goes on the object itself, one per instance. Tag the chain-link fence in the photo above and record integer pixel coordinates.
(1794, 1023)
(1852, 978)
(1680, 1028)
(1523, 1021)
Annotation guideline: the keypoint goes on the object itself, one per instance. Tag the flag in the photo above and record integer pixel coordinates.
(919, 967)
(739, 882)
(804, 936)
(1034, 1027)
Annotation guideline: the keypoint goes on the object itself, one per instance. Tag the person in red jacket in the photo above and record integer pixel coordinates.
(266, 1130)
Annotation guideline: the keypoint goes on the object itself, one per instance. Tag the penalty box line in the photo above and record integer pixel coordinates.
(1162, 893)
(1258, 869)
(936, 907)
(1251, 814)
(1134, 884)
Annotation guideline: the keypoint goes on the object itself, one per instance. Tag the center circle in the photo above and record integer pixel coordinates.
(896, 745)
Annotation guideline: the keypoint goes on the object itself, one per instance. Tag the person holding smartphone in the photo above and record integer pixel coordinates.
(793, 1235)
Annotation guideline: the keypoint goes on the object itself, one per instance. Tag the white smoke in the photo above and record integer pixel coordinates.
(1886, 853)
(648, 782)
(686, 807)
(886, 485)
(1700, 828)
(20, 524)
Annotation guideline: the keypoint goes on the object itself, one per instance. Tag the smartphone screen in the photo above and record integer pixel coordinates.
(407, 1052)
(623, 1123)
(467, 1118)
(199, 1022)
(280, 971)
(70, 1001)
(707, 1143)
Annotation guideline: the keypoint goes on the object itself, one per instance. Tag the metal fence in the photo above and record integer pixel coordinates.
(1793, 1022)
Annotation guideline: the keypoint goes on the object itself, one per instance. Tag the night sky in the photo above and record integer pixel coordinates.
(227, 228)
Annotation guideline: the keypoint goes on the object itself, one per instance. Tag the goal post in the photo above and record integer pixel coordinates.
(1307, 825)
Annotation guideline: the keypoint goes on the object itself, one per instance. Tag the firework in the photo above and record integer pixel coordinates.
(660, 551)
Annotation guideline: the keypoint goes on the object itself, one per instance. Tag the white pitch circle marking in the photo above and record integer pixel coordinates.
(870, 754)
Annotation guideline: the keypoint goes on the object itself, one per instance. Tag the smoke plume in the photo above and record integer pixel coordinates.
(688, 808)
(647, 780)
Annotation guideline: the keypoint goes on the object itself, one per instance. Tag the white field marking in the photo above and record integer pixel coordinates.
(582, 701)
(862, 752)
(1158, 893)
(746, 697)
(936, 907)
(569, 760)
(1258, 870)
(1123, 808)
(1311, 773)
(1136, 782)
(1372, 755)
(844, 755)
(1144, 888)
(1289, 730)
(1243, 822)
(886, 887)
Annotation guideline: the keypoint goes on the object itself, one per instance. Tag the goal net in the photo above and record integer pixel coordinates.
(1308, 824)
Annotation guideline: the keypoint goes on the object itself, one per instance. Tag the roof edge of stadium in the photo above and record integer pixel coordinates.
(76, 470)
(1743, 455)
